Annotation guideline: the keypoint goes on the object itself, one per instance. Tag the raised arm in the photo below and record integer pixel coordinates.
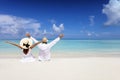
(29, 36)
(14, 44)
(34, 39)
(55, 41)
(35, 45)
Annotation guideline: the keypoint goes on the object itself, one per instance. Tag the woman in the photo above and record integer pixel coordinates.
(26, 46)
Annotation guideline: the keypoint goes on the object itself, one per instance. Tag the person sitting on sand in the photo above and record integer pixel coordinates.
(26, 46)
(45, 47)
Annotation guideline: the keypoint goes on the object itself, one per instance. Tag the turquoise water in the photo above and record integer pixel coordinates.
(71, 46)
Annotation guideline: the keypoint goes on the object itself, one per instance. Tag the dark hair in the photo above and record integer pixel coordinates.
(25, 51)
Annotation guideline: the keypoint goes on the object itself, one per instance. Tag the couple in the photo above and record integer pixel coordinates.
(44, 47)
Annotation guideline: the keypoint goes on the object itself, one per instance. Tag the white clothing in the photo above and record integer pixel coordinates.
(28, 57)
(44, 53)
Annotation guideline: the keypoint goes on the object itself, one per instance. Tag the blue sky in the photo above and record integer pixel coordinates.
(81, 19)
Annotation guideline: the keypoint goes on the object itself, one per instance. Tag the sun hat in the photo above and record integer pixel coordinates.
(44, 39)
(26, 43)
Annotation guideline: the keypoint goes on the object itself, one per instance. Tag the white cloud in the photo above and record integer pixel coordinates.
(44, 32)
(17, 26)
(58, 29)
(91, 18)
(89, 33)
(52, 21)
(112, 10)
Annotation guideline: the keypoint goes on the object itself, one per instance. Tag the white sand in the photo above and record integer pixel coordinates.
(83, 68)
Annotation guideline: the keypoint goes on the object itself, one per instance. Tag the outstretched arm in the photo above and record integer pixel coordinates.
(35, 45)
(14, 44)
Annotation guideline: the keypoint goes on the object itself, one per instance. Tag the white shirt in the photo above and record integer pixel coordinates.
(27, 57)
(45, 49)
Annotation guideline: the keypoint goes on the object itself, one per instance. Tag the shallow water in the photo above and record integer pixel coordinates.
(70, 46)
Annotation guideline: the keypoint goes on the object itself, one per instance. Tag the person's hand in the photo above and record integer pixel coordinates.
(61, 35)
(28, 35)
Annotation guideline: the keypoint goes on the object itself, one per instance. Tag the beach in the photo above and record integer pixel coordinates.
(83, 68)
(70, 60)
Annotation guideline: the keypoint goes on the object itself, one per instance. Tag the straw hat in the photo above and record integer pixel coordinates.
(44, 39)
(25, 43)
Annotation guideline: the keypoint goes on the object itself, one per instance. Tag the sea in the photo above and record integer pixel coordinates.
(70, 47)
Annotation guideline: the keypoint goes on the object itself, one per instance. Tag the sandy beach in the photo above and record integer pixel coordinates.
(82, 68)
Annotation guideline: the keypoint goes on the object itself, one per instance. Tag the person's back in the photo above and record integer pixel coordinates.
(45, 48)
(44, 53)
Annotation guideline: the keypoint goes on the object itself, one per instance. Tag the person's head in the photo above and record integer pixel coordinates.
(26, 43)
(44, 40)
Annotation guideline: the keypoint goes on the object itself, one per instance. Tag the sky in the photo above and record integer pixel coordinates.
(76, 19)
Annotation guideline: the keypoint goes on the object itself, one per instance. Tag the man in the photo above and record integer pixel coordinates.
(45, 47)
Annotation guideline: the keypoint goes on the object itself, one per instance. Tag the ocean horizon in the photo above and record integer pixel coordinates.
(70, 47)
